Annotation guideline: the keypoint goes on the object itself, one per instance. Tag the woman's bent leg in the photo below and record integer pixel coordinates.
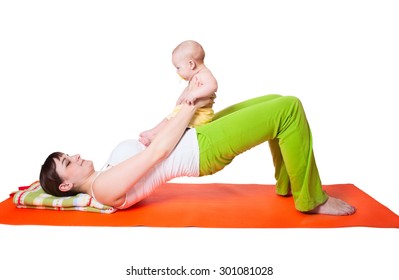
(253, 123)
(282, 179)
(283, 184)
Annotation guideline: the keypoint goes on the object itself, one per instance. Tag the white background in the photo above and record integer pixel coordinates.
(80, 76)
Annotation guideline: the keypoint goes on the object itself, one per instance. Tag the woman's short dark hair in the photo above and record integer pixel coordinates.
(49, 178)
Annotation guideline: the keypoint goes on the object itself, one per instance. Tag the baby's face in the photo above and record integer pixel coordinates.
(182, 65)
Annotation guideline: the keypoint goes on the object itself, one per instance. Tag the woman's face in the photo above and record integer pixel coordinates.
(74, 169)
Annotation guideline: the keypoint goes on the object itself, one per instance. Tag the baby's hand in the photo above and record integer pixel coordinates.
(197, 82)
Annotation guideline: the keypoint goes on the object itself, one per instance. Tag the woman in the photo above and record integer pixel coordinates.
(134, 171)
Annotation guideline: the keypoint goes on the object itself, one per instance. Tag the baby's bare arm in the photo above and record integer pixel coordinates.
(203, 85)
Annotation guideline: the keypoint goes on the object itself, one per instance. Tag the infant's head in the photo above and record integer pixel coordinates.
(190, 50)
(187, 57)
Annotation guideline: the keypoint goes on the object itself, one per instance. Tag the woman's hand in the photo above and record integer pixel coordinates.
(201, 102)
(182, 96)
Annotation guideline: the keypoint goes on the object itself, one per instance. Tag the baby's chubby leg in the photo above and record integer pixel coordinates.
(147, 136)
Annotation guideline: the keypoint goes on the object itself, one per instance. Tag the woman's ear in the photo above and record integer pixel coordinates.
(64, 187)
(192, 64)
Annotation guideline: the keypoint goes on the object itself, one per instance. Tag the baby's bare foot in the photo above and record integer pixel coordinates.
(334, 206)
(146, 137)
(145, 141)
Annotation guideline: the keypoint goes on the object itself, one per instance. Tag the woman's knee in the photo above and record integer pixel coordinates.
(292, 99)
(293, 102)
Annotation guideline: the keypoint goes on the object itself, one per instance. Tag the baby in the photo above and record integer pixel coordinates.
(188, 58)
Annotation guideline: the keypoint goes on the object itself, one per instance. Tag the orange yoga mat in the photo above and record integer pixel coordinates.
(215, 206)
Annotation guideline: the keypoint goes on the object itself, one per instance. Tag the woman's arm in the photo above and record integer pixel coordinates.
(110, 188)
(182, 96)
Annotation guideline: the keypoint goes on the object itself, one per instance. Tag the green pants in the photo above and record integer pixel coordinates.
(282, 122)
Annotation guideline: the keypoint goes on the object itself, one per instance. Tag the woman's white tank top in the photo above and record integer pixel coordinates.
(183, 161)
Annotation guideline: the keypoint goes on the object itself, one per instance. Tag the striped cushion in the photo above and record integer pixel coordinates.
(35, 197)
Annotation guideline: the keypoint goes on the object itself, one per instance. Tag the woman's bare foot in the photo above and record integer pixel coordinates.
(333, 206)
